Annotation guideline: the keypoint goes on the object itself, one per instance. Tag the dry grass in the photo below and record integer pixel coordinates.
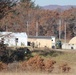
(29, 73)
(60, 58)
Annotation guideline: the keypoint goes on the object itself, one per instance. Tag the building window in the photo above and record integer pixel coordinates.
(29, 43)
(16, 39)
(2, 40)
(52, 40)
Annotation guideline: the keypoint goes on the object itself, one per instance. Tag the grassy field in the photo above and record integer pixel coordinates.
(68, 56)
(60, 56)
(21, 73)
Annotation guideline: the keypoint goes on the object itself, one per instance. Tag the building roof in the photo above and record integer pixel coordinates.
(73, 40)
(48, 37)
(13, 34)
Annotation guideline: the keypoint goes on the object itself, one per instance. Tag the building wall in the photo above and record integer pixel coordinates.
(11, 42)
(69, 46)
(10, 38)
(41, 42)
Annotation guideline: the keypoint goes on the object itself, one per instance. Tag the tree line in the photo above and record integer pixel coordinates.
(25, 16)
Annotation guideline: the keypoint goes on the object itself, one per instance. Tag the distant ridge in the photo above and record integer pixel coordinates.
(55, 7)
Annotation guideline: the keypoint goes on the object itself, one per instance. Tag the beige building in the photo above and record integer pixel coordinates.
(73, 41)
(41, 41)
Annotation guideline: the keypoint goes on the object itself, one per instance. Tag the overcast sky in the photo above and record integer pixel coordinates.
(54, 2)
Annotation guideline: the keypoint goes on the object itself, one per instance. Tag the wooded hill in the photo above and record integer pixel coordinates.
(25, 16)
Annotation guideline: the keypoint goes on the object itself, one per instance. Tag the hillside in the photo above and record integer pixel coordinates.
(55, 7)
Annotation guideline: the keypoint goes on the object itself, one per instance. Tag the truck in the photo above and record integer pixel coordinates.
(58, 44)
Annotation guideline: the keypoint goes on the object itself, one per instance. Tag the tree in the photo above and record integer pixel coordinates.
(29, 4)
(5, 7)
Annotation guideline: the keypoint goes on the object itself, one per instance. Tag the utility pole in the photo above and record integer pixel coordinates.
(27, 28)
(36, 28)
(6, 28)
(59, 29)
(65, 34)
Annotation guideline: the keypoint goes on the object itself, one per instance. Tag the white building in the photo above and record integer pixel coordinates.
(14, 38)
(71, 44)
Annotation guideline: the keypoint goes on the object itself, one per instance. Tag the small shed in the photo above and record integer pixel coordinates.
(13, 38)
(41, 41)
(73, 40)
(72, 43)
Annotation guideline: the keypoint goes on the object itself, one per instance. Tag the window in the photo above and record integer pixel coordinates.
(2, 40)
(28, 43)
(52, 40)
(16, 39)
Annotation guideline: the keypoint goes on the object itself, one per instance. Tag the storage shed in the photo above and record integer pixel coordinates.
(41, 41)
(72, 43)
(73, 40)
(13, 38)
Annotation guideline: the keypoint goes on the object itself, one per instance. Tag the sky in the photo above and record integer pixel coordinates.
(54, 2)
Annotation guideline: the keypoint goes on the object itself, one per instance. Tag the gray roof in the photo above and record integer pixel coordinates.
(13, 34)
(43, 37)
